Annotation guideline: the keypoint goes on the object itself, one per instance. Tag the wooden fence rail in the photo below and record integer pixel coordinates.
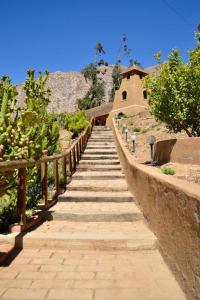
(69, 158)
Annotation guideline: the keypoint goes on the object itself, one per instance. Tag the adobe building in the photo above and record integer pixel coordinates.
(131, 97)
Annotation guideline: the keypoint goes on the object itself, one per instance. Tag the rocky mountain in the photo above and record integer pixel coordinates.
(67, 87)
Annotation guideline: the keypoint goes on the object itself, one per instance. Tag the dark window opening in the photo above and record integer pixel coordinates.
(124, 95)
(140, 76)
(145, 94)
(128, 76)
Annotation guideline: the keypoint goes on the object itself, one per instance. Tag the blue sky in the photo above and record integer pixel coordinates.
(60, 35)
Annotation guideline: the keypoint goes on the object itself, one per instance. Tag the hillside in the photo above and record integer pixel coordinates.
(67, 87)
(144, 125)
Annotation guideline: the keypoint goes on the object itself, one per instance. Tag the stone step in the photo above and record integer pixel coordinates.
(100, 139)
(102, 135)
(76, 196)
(101, 157)
(98, 185)
(101, 146)
(87, 241)
(101, 128)
(83, 168)
(95, 175)
(94, 212)
(100, 151)
(99, 162)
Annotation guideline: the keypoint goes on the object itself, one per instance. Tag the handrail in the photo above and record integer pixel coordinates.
(70, 157)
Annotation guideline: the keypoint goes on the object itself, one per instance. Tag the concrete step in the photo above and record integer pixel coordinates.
(90, 167)
(88, 241)
(101, 146)
(101, 157)
(101, 139)
(76, 196)
(100, 151)
(98, 185)
(94, 212)
(102, 135)
(101, 128)
(95, 175)
(98, 162)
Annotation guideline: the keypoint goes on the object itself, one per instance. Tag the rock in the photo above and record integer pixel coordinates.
(67, 87)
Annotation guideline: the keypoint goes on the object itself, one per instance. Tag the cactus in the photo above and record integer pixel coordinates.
(25, 133)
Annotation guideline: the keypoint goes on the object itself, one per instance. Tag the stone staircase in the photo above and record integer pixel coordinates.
(95, 245)
(97, 211)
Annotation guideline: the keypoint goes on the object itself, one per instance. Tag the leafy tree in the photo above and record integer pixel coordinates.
(99, 51)
(94, 96)
(90, 72)
(116, 80)
(174, 94)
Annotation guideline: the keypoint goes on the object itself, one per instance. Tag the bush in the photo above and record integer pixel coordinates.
(76, 122)
(136, 129)
(168, 171)
(121, 115)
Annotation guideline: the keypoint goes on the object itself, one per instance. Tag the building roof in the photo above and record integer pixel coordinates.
(138, 70)
(134, 69)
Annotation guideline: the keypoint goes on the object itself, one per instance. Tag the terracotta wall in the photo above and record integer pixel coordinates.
(172, 209)
(185, 150)
(134, 89)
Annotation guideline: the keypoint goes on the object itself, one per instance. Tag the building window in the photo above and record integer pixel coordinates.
(145, 94)
(128, 76)
(140, 76)
(124, 95)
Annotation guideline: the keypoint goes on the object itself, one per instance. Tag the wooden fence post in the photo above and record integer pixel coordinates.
(56, 175)
(74, 159)
(64, 171)
(70, 163)
(44, 178)
(77, 152)
(21, 196)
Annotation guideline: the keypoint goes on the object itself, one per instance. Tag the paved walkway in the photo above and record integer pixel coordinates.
(96, 244)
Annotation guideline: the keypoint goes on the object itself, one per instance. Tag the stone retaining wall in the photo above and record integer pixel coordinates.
(172, 209)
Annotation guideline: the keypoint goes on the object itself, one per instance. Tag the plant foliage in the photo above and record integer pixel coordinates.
(76, 122)
(174, 94)
(95, 95)
(24, 133)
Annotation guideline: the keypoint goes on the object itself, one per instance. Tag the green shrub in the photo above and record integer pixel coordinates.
(8, 210)
(50, 176)
(136, 129)
(76, 122)
(121, 115)
(168, 171)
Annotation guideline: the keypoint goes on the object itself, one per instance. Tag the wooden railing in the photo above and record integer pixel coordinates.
(69, 158)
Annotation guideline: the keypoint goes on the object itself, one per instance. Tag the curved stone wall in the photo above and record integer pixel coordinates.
(172, 210)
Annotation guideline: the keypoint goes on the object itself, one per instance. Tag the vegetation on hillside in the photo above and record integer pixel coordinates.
(174, 94)
(95, 95)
